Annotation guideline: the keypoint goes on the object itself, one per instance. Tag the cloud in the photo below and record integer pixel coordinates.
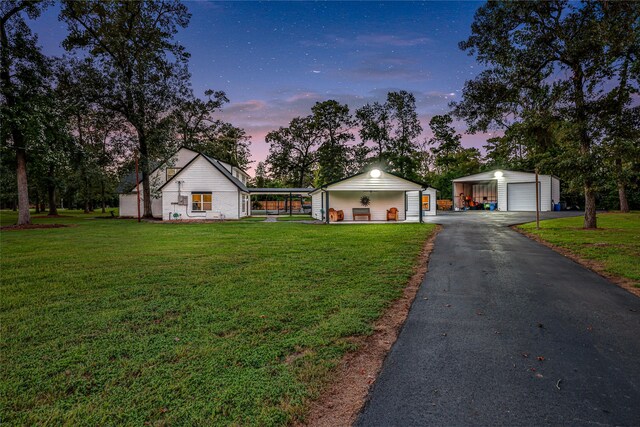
(245, 106)
(387, 66)
(371, 40)
(390, 40)
(260, 116)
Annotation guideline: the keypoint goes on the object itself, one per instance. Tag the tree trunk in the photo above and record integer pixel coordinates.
(24, 217)
(622, 195)
(589, 207)
(37, 204)
(144, 168)
(51, 190)
(43, 207)
(590, 220)
(104, 206)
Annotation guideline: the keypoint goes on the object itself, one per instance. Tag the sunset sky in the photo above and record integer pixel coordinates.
(275, 60)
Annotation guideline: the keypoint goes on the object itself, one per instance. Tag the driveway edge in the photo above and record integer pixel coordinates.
(342, 401)
(623, 282)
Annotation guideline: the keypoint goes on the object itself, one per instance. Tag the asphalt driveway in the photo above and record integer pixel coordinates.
(505, 331)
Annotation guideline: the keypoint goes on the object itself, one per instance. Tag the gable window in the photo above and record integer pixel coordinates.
(201, 201)
(171, 172)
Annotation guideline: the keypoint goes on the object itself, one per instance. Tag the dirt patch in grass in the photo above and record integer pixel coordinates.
(592, 265)
(342, 401)
(34, 226)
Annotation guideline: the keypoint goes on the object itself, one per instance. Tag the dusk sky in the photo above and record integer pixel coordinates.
(276, 59)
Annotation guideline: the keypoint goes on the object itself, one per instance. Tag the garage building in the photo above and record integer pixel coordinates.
(505, 190)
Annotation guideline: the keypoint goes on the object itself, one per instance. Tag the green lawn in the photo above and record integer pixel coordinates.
(616, 244)
(295, 218)
(112, 322)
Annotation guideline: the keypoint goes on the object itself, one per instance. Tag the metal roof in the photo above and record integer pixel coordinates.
(281, 190)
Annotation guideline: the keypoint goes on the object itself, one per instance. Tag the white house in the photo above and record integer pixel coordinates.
(191, 185)
(506, 190)
(383, 190)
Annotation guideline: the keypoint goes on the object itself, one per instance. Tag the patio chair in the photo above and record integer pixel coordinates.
(392, 214)
(335, 215)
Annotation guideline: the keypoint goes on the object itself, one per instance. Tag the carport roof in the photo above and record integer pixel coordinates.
(281, 190)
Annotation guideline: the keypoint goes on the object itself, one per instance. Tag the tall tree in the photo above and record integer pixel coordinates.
(375, 127)
(620, 120)
(140, 70)
(403, 145)
(24, 74)
(555, 50)
(194, 117)
(292, 153)
(334, 123)
(450, 159)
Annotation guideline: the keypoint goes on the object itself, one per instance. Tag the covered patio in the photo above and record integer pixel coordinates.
(373, 197)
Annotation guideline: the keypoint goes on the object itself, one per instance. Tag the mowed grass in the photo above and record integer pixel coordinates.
(113, 322)
(297, 217)
(615, 244)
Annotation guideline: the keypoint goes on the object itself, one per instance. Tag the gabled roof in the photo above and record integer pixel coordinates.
(326, 186)
(216, 164)
(128, 183)
(489, 175)
(226, 173)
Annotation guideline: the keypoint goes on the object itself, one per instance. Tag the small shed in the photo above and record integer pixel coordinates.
(370, 196)
(505, 190)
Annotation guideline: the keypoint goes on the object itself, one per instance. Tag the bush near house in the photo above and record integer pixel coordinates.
(615, 246)
(114, 322)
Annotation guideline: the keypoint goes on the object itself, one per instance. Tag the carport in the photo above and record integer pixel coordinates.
(277, 201)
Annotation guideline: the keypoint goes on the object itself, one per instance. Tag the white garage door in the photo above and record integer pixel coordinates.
(521, 196)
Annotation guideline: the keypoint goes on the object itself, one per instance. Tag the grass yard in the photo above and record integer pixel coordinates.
(616, 245)
(295, 218)
(112, 322)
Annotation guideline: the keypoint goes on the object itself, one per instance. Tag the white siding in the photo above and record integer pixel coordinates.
(201, 176)
(179, 160)
(364, 182)
(316, 205)
(433, 208)
(413, 205)
(381, 201)
(522, 177)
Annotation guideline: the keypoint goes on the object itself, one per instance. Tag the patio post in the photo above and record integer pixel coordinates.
(326, 210)
(420, 204)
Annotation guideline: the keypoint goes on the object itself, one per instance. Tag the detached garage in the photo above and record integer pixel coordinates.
(505, 191)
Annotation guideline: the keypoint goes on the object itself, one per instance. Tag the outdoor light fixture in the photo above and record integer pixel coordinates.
(375, 173)
(498, 174)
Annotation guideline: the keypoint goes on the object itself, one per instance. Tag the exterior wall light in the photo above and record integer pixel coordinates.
(375, 173)
(498, 174)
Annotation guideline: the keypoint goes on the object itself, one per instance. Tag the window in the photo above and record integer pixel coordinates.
(200, 201)
(171, 172)
(426, 201)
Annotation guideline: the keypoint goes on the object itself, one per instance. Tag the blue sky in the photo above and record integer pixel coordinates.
(276, 59)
